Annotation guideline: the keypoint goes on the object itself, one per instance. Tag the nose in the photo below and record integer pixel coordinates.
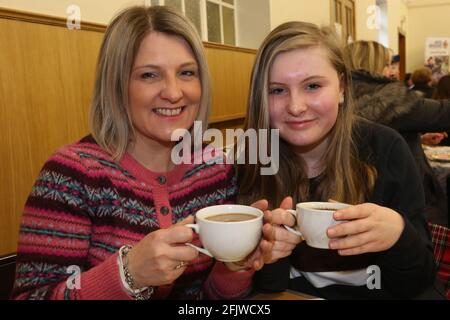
(296, 104)
(171, 90)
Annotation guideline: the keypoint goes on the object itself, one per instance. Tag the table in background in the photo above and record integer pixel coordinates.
(441, 168)
(285, 295)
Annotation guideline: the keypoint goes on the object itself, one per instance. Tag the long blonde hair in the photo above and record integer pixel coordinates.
(345, 178)
(370, 56)
(110, 120)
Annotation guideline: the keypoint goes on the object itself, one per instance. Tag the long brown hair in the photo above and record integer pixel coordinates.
(345, 178)
(110, 119)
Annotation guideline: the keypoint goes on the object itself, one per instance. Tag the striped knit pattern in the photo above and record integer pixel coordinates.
(440, 237)
(84, 207)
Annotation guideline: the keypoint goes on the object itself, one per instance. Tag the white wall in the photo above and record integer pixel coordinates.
(397, 19)
(363, 30)
(99, 11)
(253, 22)
(317, 11)
(426, 19)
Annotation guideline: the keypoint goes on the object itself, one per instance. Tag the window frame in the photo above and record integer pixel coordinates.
(348, 23)
(204, 19)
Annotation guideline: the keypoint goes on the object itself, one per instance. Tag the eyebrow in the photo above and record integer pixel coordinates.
(154, 66)
(315, 77)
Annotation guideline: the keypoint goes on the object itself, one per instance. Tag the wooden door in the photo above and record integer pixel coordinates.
(402, 53)
(343, 12)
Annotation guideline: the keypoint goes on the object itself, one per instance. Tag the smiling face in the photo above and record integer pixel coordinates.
(304, 94)
(164, 89)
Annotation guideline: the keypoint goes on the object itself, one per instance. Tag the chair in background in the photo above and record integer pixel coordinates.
(7, 275)
(440, 237)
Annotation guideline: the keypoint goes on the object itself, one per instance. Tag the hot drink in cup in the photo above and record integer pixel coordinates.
(228, 233)
(313, 221)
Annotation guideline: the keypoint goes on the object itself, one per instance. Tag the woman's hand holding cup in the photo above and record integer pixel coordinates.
(368, 228)
(162, 256)
(277, 242)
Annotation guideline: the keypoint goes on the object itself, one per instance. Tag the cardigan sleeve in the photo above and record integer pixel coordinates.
(55, 238)
(223, 283)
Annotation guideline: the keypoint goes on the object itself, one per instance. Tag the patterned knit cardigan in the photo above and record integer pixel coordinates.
(84, 207)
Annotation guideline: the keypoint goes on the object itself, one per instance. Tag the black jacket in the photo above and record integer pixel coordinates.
(425, 89)
(389, 102)
(407, 268)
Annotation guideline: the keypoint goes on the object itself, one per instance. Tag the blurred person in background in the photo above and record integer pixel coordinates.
(422, 80)
(443, 93)
(387, 101)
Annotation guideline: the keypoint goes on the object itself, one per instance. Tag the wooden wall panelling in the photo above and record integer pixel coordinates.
(230, 73)
(46, 79)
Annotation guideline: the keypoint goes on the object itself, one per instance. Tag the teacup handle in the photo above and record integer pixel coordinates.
(196, 228)
(291, 230)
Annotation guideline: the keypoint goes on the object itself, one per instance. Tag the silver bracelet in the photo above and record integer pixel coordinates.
(128, 280)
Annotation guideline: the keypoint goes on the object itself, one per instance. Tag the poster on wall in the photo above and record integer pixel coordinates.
(437, 56)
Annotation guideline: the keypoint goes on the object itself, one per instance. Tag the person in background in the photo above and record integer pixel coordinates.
(394, 68)
(443, 88)
(443, 93)
(408, 83)
(300, 85)
(388, 102)
(110, 209)
(421, 78)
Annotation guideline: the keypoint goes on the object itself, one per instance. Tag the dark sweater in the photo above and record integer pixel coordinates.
(388, 102)
(408, 267)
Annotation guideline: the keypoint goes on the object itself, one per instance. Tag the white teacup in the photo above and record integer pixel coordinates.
(228, 241)
(313, 220)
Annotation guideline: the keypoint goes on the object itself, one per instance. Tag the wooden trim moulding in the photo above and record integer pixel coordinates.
(227, 118)
(13, 14)
(212, 45)
(47, 19)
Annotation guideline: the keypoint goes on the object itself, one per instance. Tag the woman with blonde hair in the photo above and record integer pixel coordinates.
(370, 56)
(388, 102)
(105, 218)
(301, 86)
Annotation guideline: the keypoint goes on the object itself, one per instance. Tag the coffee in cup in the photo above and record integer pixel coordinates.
(231, 217)
(228, 233)
(313, 221)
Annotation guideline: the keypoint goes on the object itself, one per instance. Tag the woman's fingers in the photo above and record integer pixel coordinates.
(188, 219)
(353, 241)
(287, 203)
(279, 233)
(355, 212)
(262, 205)
(366, 248)
(371, 228)
(281, 216)
(349, 228)
(177, 234)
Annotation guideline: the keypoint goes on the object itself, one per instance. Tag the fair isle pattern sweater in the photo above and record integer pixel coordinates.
(84, 207)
